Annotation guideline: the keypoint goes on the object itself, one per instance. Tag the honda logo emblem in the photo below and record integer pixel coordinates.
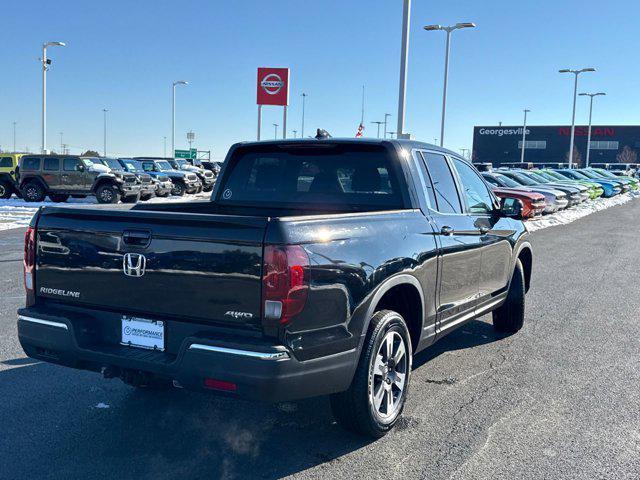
(134, 264)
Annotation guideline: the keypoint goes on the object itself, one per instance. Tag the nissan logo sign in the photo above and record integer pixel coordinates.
(272, 83)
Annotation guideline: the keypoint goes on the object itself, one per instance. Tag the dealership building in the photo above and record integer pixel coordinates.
(609, 144)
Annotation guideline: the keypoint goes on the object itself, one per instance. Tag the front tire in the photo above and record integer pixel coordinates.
(107, 194)
(179, 189)
(509, 318)
(374, 402)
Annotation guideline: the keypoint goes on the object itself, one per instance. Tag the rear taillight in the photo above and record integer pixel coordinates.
(285, 282)
(29, 257)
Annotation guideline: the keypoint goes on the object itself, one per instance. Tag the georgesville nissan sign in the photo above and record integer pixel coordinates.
(273, 86)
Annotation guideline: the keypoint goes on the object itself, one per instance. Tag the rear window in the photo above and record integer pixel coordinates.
(6, 162)
(30, 163)
(319, 177)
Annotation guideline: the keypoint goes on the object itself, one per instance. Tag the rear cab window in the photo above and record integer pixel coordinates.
(6, 162)
(333, 177)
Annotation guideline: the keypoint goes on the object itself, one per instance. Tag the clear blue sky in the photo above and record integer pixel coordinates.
(123, 55)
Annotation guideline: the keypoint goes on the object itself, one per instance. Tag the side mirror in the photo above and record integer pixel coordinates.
(511, 208)
(80, 167)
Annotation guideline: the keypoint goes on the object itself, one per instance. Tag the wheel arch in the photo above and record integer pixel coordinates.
(525, 255)
(36, 179)
(400, 293)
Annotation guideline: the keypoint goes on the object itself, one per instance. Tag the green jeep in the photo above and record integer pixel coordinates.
(9, 173)
(62, 176)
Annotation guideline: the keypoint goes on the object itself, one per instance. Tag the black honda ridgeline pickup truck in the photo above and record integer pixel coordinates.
(318, 267)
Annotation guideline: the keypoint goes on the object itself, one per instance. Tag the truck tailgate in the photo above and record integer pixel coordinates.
(181, 265)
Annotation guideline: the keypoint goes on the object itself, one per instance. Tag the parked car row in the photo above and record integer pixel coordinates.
(110, 180)
(546, 190)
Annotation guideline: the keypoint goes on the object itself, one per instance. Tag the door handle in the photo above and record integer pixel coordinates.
(446, 230)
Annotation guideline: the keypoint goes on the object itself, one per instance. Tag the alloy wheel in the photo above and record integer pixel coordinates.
(388, 376)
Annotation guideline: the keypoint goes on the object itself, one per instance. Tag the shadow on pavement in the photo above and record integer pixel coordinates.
(61, 423)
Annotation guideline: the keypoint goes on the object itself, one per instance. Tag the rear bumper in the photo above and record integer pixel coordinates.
(259, 370)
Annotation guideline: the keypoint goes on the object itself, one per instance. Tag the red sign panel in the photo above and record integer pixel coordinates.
(273, 86)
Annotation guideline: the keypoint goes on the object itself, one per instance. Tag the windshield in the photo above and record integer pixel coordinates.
(88, 162)
(182, 163)
(335, 177)
(131, 165)
(538, 177)
(523, 179)
(605, 173)
(546, 176)
(506, 181)
(583, 176)
(163, 165)
(112, 163)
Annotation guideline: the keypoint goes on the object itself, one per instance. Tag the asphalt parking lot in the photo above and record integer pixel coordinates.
(560, 399)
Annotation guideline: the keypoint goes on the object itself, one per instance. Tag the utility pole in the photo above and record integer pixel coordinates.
(573, 115)
(378, 123)
(591, 95)
(304, 98)
(524, 135)
(45, 66)
(386, 116)
(404, 61)
(104, 111)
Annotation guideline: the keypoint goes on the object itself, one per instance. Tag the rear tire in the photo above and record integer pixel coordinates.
(509, 318)
(58, 198)
(33, 192)
(5, 190)
(107, 193)
(374, 402)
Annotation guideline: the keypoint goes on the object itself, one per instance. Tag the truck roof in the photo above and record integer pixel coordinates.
(409, 144)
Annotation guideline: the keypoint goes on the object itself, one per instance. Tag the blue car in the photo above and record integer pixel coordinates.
(611, 187)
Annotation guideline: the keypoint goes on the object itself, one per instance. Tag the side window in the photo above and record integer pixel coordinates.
(473, 188)
(30, 163)
(70, 164)
(51, 164)
(425, 180)
(6, 162)
(147, 167)
(444, 185)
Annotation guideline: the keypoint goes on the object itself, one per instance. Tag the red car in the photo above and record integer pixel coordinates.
(533, 204)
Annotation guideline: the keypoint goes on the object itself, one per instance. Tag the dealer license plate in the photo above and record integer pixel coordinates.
(143, 333)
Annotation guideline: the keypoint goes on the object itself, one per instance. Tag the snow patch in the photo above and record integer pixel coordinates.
(16, 213)
(102, 405)
(574, 213)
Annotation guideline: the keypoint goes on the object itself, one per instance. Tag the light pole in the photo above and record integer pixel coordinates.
(386, 116)
(524, 135)
(14, 137)
(173, 115)
(378, 123)
(464, 152)
(275, 126)
(448, 30)
(61, 144)
(591, 95)
(45, 66)
(304, 98)
(295, 133)
(404, 61)
(391, 134)
(573, 115)
(104, 133)
(164, 140)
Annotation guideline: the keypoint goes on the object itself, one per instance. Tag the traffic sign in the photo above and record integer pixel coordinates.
(190, 154)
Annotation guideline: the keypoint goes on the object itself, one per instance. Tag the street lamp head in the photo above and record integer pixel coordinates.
(180, 82)
(429, 28)
(55, 44)
(526, 110)
(590, 69)
(465, 25)
(564, 70)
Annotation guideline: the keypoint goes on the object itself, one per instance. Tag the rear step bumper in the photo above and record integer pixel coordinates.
(268, 373)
